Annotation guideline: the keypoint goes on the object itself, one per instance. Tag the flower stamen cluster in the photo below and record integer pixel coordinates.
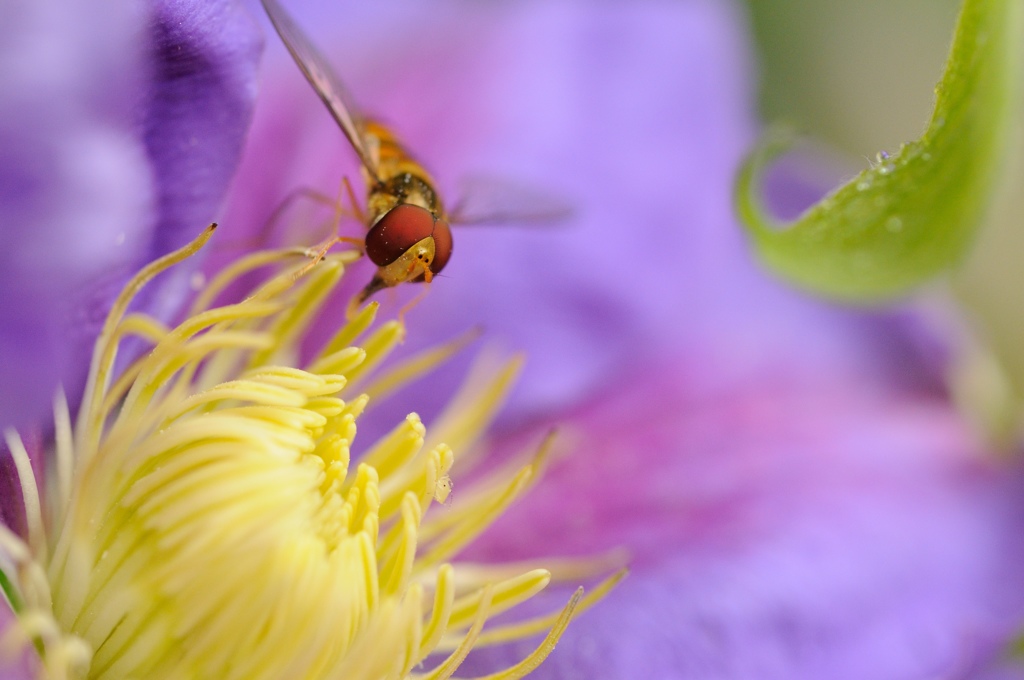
(205, 516)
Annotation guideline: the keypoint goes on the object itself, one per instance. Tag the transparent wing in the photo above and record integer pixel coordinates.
(326, 83)
(485, 199)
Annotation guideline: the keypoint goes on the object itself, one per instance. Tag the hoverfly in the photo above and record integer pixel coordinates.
(408, 237)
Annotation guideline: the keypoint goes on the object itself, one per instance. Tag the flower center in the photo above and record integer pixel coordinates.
(209, 523)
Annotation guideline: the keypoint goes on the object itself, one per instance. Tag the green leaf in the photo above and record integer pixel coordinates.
(912, 215)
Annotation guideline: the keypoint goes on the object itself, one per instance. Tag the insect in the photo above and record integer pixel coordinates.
(408, 237)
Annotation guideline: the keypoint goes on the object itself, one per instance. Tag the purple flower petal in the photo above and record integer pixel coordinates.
(200, 102)
(119, 132)
(779, 528)
(73, 178)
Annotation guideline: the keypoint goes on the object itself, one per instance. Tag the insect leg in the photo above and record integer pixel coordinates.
(317, 252)
(286, 203)
(356, 210)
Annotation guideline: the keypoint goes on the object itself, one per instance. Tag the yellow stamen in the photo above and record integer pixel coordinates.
(206, 520)
(540, 624)
(417, 366)
(29, 493)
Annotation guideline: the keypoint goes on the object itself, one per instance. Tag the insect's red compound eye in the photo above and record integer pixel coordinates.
(400, 229)
(442, 246)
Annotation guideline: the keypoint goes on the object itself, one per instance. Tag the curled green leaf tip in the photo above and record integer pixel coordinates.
(911, 215)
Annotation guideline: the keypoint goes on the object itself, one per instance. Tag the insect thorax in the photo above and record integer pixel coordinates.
(404, 187)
